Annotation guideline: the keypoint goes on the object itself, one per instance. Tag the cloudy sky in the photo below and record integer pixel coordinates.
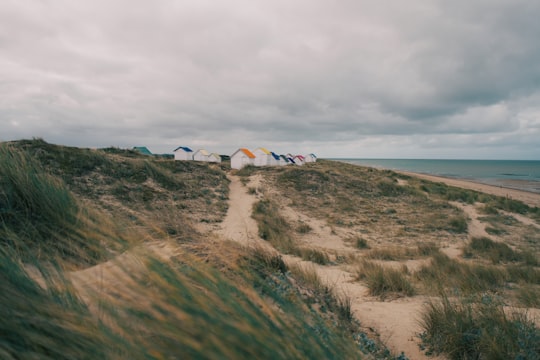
(341, 78)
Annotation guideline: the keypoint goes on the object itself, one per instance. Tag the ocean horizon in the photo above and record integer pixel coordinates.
(516, 174)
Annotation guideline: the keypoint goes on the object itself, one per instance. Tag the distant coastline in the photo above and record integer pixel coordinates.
(521, 175)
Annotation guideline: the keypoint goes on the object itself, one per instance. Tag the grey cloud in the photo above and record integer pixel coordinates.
(331, 75)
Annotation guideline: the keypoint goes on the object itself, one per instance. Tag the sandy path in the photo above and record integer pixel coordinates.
(475, 226)
(395, 321)
(238, 224)
(529, 198)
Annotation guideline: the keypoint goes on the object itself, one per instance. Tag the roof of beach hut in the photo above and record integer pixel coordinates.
(185, 148)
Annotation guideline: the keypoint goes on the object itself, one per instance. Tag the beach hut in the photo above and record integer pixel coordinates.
(242, 157)
(291, 159)
(183, 153)
(263, 157)
(274, 161)
(201, 155)
(310, 158)
(283, 160)
(214, 157)
(298, 160)
(143, 150)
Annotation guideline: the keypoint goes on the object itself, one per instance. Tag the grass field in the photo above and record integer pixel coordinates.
(83, 276)
(102, 255)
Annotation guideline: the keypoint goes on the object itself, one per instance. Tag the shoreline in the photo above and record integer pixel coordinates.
(528, 197)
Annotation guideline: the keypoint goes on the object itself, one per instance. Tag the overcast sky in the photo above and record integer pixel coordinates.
(340, 78)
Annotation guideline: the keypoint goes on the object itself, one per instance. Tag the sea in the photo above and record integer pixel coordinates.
(516, 174)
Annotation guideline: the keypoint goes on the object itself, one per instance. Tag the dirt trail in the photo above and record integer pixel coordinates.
(395, 321)
(238, 224)
(476, 228)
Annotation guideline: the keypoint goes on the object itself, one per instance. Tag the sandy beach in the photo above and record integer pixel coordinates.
(529, 198)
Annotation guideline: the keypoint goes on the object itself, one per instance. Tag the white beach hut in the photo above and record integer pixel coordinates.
(298, 160)
(283, 160)
(310, 158)
(242, 157)
(214, 157)
(183, 153)
(274, 160)
(263, 157)
(201, 155)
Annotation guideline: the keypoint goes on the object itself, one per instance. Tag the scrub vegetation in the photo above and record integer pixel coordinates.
(102, 256)
(404, 229)
(84, 272)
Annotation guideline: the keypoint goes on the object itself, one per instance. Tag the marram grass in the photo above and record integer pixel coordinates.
(151, 307)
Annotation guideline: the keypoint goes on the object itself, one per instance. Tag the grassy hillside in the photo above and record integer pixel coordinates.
(102, 256)
(99, 258)
(405, 237)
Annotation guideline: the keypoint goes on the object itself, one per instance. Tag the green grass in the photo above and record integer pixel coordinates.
(384, 281)
(202, 303)
(124, 182)
(273, 227)
(65, 208)
(394, 253)
(460, 277)
(349, 196)
(49, 323)
(304, 228)
(462, 329)
(40, 217)
(451, 274)
(529, 295)
(323, 295)
(314, 255)
(497, 252)
(361, 243)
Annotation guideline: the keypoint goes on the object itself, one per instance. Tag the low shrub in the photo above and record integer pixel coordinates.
(273, 227)
(361, 243)
(529, 295)
(497, 252)
(314, 255)
(463, 329)
(383, 282)
(443, 272)
(458, 224)
(304, 228)
(402, 253)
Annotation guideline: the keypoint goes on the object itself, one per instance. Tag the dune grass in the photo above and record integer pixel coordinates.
(65, 209)
(384, 282)
(182, 307)
(497, 252)
(124, 179)
(273, 227)
(48, 323)
(464, 277)
(481, 329)
(40, 217)
(322, 294)
(402, 253)
(454, 276)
